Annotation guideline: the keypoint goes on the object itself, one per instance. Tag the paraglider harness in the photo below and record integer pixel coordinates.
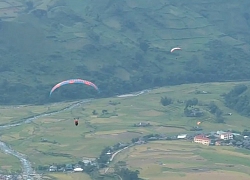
(76, 121)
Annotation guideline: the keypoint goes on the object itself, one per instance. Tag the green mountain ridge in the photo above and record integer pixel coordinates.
(121, 46)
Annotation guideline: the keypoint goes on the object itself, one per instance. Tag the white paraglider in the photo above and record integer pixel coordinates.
(176, 48)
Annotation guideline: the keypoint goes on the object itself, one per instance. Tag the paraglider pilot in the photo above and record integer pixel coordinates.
(76, 121)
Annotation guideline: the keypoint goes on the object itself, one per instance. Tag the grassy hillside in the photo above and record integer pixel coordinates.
(121, 46)
(55, 138)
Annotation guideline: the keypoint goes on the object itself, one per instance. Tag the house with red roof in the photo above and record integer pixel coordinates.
(202, 139)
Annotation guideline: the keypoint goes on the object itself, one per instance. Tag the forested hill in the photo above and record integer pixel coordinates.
(238, 99)
(121, 46)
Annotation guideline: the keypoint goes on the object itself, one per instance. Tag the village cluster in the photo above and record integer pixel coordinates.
(212, 138)
(218, 138)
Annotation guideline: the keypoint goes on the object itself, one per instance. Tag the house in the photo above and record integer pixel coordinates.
(68, 167)
(140, 142)
(141, 124)
(76, 166)
(123, 145)
(220, 132)
(61, 169)
(86, 162)
(182, 136)
(52, 168)
(78, 170)
(202, 139)
(217, 143)
(196, 112)
(153, 138)
(226, 136)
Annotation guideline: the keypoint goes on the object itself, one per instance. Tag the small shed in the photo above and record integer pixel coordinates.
(78, 169)
(182, 136)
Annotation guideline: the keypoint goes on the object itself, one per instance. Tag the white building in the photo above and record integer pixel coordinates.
(52, 168)
(78, 170)
(86, 162)
(226, 136)
(182, 136)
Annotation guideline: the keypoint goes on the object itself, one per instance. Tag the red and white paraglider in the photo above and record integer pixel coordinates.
(73, 81)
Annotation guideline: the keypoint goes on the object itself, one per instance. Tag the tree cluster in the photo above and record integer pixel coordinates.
(215, 110)
(189, 109)
(238, 99)
(191, 102)
(165, 101)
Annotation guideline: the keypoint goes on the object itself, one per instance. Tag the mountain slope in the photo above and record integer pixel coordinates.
(121, 46)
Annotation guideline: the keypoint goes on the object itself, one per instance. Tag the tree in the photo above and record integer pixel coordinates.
(104, 111)
(165, 101)
(246, 132)
(218, 112)
(219, 119)
(212, 107)
(237, 90)
(119, 165)
(144, 46)
(238, 101)
(127, 174)
(89, 168)
(135, 140)
(191, 102)
(94, 112)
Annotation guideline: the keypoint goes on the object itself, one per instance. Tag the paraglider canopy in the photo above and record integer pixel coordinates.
(176, 48)
(74, 81)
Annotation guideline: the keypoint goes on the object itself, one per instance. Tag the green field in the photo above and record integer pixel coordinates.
(9, 163)
(68, 176)
(180, 160)
(14, 114)
(67, 143)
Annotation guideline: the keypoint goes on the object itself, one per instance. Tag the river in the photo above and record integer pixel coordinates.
(26, 164)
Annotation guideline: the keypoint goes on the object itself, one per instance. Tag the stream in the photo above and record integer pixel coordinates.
(26, 164)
